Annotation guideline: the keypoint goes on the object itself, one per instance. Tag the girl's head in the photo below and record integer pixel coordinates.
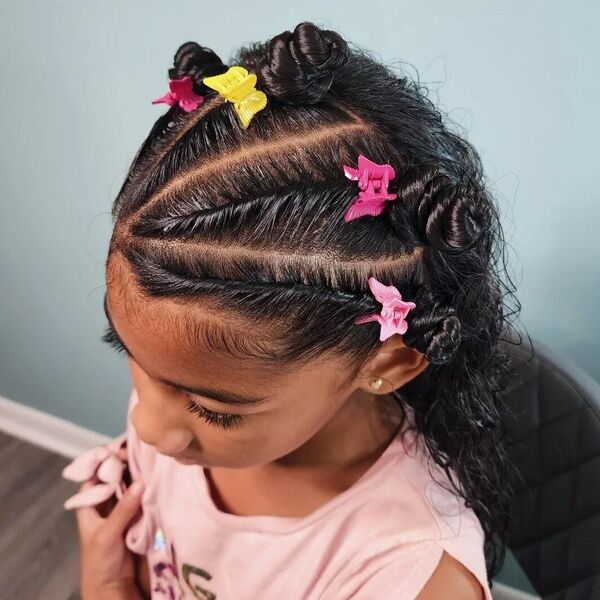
(231, 268)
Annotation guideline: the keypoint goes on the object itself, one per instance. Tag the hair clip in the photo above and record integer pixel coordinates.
(181, 91)
(394, 311)
(373, 180)
(237, 86)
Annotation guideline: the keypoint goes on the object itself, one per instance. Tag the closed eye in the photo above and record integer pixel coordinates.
(113, 341)
(223, 420)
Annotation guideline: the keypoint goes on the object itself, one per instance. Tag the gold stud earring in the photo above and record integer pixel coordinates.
(377, 383)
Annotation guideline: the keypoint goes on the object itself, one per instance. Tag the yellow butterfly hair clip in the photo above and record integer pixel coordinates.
(238, 86)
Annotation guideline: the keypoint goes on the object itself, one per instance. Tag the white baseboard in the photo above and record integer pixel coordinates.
(502, 591)
(45, 430)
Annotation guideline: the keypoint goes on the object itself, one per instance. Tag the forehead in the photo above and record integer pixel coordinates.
(195, 340)
(185, 332)
(191, 340)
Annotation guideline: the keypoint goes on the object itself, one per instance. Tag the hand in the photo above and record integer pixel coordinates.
(107, 567)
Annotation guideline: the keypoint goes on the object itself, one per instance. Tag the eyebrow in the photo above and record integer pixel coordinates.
(225, 398)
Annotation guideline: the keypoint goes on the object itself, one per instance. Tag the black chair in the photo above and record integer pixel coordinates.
(554, 433)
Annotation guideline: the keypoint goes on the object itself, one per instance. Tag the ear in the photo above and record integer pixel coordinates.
(394, 362)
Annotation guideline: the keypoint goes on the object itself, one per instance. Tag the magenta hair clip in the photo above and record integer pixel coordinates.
(373, 181)
(394, 311)
(181, 91)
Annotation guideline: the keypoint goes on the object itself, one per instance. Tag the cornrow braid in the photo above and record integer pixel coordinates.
(252, 220)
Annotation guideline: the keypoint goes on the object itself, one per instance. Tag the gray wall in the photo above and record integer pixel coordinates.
(521, 78)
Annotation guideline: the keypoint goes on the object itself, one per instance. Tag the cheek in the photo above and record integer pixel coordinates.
(313, 410)
(263, 437)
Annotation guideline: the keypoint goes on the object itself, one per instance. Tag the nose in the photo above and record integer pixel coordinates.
(174, 441)
(167, 438)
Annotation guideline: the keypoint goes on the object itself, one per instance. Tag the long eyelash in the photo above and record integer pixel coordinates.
(110, 338)
(224, 420)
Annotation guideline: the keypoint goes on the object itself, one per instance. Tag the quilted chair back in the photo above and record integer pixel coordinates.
(554, 433)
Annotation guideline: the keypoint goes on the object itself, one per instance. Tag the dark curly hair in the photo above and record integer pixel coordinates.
(253, 218)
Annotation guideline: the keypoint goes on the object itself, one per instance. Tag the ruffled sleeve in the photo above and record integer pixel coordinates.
(114, 465)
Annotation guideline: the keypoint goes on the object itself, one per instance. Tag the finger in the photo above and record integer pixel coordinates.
(88, 519)
(124, 511)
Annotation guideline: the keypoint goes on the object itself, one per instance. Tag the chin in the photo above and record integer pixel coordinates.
(186, 461)
(208, 463)
(199, 462)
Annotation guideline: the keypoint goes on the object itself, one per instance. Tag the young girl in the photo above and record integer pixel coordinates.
(303, 277)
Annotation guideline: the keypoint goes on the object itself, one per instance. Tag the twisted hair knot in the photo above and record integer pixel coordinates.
(198, 62)
(451, 214)
(299, 66)
(435, 332)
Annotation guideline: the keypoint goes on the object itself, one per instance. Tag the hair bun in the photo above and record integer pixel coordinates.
(435, 332)
(453, 216)
(299, 67)
(450, 215)
(198, 62)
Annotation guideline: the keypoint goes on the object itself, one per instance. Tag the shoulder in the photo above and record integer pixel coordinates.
(415, 536)
(461, 568)
(452, 580)
(421, 570)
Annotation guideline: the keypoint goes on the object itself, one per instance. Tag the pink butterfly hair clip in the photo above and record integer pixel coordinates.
(182, 92)
(394, 311)
(373, 182)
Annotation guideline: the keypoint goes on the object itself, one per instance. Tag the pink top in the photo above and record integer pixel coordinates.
(381, 538)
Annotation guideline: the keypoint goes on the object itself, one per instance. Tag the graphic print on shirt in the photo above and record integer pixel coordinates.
(166, 571)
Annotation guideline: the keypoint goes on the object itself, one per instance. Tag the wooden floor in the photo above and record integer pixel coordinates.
(39, 546)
